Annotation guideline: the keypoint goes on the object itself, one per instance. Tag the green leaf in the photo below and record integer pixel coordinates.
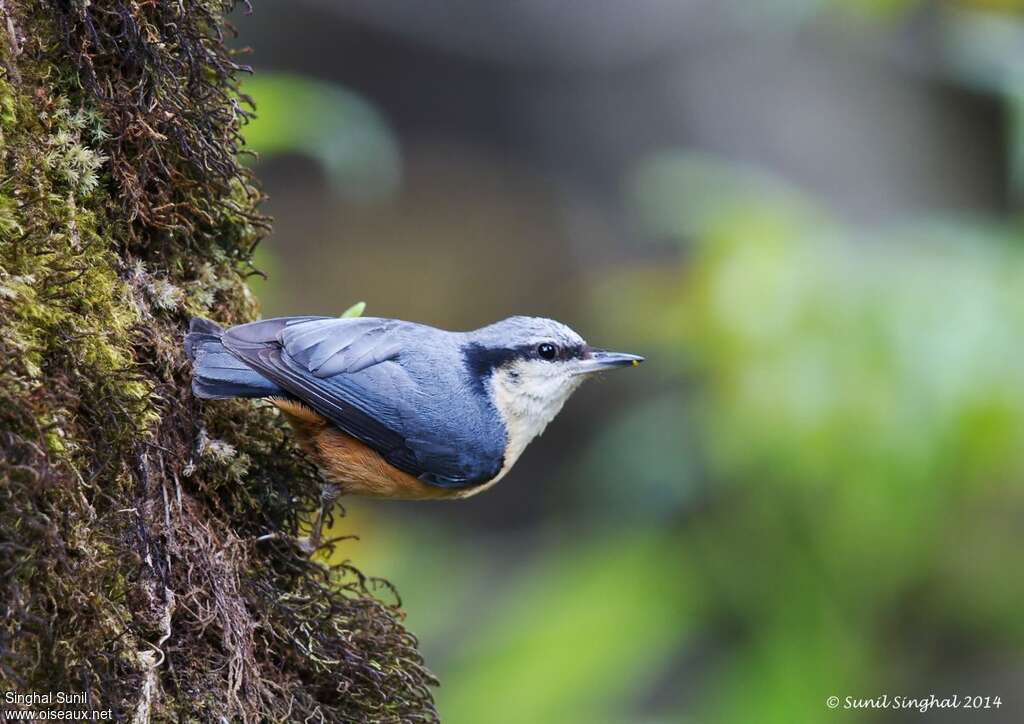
(356, 310)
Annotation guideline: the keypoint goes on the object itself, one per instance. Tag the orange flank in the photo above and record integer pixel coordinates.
(347, 462)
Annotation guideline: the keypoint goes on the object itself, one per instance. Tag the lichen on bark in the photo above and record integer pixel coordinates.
(128, 512)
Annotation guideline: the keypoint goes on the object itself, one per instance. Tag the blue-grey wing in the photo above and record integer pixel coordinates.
(352, 372)
(329, 347)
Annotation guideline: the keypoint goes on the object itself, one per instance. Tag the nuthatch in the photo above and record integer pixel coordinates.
(394, 409)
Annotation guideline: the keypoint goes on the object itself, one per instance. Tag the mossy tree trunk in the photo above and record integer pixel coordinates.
(128, 513)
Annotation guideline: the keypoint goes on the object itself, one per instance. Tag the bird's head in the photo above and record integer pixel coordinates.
(530, 366)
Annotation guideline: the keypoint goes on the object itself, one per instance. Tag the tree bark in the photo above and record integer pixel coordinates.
(129, 568)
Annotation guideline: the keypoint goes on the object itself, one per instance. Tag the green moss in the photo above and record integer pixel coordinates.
(130, 511)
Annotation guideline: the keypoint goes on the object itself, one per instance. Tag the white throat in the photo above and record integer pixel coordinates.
(528, 395)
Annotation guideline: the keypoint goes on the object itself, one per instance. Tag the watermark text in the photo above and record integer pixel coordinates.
(922, 704)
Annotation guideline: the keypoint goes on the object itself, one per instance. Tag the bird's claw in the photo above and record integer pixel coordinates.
(310, 543)
(307, 544)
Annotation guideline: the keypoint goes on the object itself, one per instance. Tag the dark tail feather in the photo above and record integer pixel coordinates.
(216, 373)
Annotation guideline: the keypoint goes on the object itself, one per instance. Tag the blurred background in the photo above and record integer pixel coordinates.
(806, 214)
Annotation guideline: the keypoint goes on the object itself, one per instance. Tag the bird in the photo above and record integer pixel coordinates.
(393, 409)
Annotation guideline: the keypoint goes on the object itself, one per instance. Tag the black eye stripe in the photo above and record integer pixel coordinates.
(481, 361)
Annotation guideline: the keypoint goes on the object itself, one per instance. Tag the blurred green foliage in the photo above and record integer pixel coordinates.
(332, 125)
(861, 411)
(575, 637)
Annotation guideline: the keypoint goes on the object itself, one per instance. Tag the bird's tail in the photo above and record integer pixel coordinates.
(216, 373)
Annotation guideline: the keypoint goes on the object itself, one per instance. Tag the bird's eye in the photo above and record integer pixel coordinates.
(547, 351)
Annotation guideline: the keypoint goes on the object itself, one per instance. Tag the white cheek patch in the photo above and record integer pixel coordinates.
(528, 395)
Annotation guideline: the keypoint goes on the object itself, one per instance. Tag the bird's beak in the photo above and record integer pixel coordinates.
(598, 360)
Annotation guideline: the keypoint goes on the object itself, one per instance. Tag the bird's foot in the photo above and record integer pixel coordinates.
(310, 543)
